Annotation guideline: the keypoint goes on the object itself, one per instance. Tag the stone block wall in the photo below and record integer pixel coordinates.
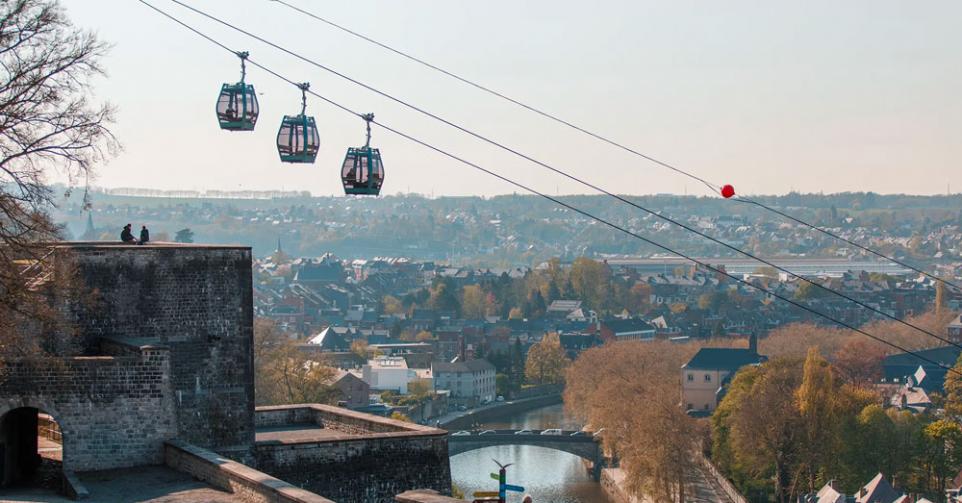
(332, 418)
(364, 469)
(367, 459)
(246, 484)
(195, 300)
(112, 411)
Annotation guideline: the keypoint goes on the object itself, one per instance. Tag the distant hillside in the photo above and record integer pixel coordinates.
(514, 230)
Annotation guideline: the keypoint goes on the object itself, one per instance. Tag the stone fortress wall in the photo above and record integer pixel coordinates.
(113, 411)
(165, 375)
(355, 456)
(198, 302)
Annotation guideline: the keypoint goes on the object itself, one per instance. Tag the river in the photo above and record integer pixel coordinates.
(549, 476)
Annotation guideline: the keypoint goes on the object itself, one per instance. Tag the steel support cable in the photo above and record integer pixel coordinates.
(570, 206)
(713, 186)
(562, 172)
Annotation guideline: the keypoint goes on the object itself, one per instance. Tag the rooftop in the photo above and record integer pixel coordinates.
(723, 359)
(461, 367)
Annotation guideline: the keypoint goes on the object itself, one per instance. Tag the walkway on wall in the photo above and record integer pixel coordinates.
(151, 484)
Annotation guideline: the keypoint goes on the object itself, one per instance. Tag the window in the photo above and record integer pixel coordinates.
(691, 377)
(706, 406)
(691, 406)
(707, 377)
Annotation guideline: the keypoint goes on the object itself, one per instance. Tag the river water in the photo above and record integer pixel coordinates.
(549, 476)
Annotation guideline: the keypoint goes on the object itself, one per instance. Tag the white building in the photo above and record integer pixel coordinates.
(388, 373)
(469, 382)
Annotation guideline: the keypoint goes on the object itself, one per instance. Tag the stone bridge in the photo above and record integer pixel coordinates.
(576, 442)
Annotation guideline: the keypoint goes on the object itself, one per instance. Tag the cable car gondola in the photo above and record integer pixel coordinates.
(297, 138)
(363, 172)
(237, 107)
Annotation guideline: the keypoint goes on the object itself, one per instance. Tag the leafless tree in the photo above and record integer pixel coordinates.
(48, 128)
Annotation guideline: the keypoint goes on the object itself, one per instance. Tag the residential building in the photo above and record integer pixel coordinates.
(898, 367)
(470, 382)
(878, 490)
(631, 329)
(704, 377)
(914, 394)
(562, 308)
(354, 392)
(333, 339)
(389, 373)
(955, 330)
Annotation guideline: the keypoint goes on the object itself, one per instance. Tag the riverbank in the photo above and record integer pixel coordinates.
(495, 411)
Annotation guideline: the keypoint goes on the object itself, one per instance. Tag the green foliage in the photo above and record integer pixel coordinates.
(184, 236)
(789, 425)
(953, 391)
(502, 384)
(444, 297)
(808, 291)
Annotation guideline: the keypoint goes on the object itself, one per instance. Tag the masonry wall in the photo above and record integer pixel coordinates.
(196, 300)
(113, 411)
(367, 469)
(358, 457)
(245, 483)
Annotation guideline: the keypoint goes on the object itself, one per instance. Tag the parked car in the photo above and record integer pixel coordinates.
(552, 431)
(578, 434)
(523, 432)
(500, 398)
(487, 432)
(462, 408)
(460, 433)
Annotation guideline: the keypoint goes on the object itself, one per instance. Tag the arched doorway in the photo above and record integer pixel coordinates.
(31, 449)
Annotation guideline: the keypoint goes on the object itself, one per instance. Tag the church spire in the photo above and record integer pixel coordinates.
(90, 233)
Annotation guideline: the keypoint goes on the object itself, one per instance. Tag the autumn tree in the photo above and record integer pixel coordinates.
(391, 305)
(591, 281)
(283, 374)
(359, 348)
(764, 422)
(953, 391)
(48, 126)
(815, 399)
(942, 453)
(546, 361)
(859, 361)
(444, 297)
(472, 302)
(654, 443)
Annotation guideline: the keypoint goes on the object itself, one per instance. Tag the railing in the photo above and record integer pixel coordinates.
(726, 487)
(49, 429)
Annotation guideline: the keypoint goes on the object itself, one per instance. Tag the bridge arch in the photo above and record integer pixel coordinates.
(584, 446)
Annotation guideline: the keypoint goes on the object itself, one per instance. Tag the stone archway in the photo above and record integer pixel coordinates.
(31, 449)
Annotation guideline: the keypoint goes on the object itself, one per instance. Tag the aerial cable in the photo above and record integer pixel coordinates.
(572, 207)
(565, 174)
(726, 190)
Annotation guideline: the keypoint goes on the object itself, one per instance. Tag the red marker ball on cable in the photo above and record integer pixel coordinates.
(728, 191)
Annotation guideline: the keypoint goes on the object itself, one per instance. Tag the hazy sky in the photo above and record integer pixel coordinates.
(769, 96)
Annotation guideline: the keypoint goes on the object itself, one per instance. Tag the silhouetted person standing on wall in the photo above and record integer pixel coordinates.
(126, 236)
(144, 235)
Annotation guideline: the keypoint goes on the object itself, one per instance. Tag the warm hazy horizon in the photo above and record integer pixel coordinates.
(771, 97)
